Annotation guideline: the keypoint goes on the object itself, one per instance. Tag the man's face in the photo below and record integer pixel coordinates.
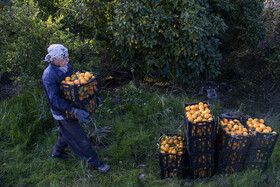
(61, 61)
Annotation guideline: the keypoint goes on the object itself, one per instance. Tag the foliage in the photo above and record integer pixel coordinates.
(26, 37)
(245, 28)
(269, 47)
(178, 35)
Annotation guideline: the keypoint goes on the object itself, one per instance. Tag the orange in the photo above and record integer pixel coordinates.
(76, 82)
(67, 79)
(194, 116)
(88, 75)
(244, 130)
(265, 131)
(170, 141)
(193, 107)
(82, 74)
(200, 104)
(187, 109)
(201, 107)
(199, 118)
(269, 129)
(190, 119)
(258, 129)
(255, 125)
(239, 132)
(226, 120)
(207, 116)
(261, 121)
(245, 133)
(262, 126)
(83, 81)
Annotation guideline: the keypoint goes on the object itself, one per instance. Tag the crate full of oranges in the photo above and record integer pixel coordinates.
(232, 142)
(232, 134)
(80, 86)
(87, 105)
(171, 155)
(263, 143)
(264, 136)
(199, 120)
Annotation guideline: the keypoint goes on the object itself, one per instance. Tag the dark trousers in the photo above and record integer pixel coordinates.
(71, 134)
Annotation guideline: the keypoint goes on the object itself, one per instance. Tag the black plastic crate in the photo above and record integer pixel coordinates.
(201, 171)
(172, 160)
(232, 142)
(230, 157)
(198, 159)
(77, 93)
(259, 167)
(200, 144)
(264, 141)
(88, 105)
(258, 155)
(221, 168)
(199, 128)
(173, 172)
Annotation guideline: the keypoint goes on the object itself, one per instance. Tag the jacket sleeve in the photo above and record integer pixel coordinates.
(54, 94)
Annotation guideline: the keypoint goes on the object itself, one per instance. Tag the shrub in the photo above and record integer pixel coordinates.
(26, 37)
(245, 28)
(178, 35)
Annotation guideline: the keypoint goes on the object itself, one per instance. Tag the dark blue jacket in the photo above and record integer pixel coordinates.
(52, 77)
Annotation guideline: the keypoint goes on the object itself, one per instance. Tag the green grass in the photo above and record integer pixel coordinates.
(125, 134)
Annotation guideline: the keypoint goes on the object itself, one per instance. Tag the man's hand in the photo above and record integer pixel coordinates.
(81, 115)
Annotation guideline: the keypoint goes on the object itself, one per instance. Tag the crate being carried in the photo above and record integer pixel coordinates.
(172, 156)
(232, 142)
(262, 145)
(81, 91)
(80, 86)
(87, 105)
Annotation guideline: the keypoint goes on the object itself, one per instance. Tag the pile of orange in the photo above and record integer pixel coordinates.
(234, 127)
(259, 126)
(198, 112)
(78, 78)
(171, 144)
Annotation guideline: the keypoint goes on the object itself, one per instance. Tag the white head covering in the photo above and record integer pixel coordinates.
(56, 51)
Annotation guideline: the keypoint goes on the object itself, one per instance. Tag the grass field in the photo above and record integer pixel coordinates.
(124, 130)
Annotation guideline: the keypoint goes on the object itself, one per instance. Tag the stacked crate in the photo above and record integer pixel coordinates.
(200, 136)
(261, 148)
(82, 96)
(172, 156)
(231, 146)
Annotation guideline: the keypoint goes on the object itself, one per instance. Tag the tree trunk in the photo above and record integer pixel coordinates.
(136, 78)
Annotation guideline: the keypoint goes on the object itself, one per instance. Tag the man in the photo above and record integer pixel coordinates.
(70, 132)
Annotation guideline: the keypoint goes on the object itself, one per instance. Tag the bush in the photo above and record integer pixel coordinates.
(25, 40)
(179, 35)
(245, 28)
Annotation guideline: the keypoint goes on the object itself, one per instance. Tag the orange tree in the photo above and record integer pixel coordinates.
(180, 36)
